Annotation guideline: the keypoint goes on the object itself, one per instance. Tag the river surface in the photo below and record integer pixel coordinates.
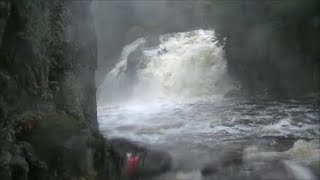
(195, 131)
(173, 97)
(199, 120)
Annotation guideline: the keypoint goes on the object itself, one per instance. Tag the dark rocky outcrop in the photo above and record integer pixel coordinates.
(48, 123)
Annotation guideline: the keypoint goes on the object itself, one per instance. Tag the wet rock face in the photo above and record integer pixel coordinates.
(48, 124)
(5, 12)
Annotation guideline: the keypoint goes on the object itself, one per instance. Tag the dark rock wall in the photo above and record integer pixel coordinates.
(48, 123)
(272, 47)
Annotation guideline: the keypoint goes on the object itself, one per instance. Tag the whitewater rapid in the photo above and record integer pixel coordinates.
(195, 132)
(172, 96)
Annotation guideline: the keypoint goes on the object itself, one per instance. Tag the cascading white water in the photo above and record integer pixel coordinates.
(169, 96)
(115, 85)
(186, 64)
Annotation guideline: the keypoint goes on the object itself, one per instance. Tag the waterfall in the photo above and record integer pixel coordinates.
(184, 64)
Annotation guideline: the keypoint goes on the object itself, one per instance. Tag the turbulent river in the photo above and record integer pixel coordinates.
(173, 97)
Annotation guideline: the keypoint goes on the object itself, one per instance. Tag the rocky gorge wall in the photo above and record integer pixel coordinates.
(48, 123)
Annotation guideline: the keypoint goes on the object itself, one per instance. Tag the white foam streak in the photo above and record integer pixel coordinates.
(115, 86)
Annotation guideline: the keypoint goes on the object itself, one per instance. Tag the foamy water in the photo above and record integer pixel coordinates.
(226, 118)
(200, 129)
(175, 101)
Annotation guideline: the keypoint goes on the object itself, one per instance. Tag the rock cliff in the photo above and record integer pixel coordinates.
(48, 123)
